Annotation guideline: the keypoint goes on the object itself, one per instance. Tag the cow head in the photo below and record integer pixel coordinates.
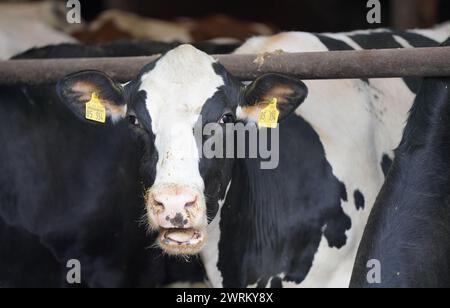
(163, 105)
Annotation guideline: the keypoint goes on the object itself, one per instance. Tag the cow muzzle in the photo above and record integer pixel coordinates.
(179, 214)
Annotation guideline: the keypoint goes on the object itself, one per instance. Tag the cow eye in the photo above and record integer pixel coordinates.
(227, 118)
(133, 120)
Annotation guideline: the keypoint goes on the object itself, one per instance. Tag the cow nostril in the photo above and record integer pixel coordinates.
(191, 204)
(159, 204)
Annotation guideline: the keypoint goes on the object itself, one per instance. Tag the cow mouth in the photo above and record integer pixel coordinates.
(182, 241)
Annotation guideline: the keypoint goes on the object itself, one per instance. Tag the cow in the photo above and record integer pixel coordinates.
(406, 241)
(113, 25)
(357, 124)
(297, 225)
(118, 49)
(71, 192)
(27, 25)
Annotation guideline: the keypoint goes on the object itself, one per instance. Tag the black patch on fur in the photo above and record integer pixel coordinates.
(386, 40)
(344, 195)
(276, 283)
(336, 45)
(118, 49)
(178, 221)
(386, 164)
(359, 200)
(408, 228)
(416, 40)
(268, 228)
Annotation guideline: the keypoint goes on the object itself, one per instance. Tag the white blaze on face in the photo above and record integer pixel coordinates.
(177, 88)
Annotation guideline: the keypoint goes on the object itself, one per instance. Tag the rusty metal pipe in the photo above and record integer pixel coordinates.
(383, 63)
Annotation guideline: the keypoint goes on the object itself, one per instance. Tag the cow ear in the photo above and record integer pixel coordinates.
(288, 92)
(93, 96)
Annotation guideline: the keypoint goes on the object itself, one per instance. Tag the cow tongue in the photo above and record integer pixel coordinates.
(180, 236)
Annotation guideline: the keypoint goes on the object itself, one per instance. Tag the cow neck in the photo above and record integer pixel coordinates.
(412, 209)
(428, 128)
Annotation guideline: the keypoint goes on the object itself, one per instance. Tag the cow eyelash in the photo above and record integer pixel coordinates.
(227, 118)
(133, 120)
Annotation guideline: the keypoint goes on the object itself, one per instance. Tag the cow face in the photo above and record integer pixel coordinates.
(163, 105)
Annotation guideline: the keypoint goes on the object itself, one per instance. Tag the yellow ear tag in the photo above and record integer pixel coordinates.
(95, 111)
(268, 117)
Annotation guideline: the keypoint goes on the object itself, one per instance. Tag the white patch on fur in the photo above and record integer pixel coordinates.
(357, 123)
(210, 253)
(116, 118)
(177, 88)
(439, 33)
(345, 39)
(286, 41)
(366, 31)
(269, 283)
(402, 42)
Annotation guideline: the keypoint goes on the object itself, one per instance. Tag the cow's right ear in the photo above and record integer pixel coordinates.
(93, 96)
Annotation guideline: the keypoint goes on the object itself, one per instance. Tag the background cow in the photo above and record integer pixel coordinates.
(301, 224)
(119, 49)
(408, 230)
(118, 25)
(28, 25)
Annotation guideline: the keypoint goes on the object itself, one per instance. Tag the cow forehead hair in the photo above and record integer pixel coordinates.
(180, 83)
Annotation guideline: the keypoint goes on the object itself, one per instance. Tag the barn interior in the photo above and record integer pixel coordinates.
(290, 15)
(104, 21)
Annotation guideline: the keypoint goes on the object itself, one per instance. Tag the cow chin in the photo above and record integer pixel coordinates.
(182, 241)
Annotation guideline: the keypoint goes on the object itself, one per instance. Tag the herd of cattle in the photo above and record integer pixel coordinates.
(353, 183)
(38, 24)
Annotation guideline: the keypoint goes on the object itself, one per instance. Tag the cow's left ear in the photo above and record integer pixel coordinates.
(288, 92)
(93, 96)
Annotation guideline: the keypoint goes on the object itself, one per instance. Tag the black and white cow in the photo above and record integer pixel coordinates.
(297, 225)
(408, 233)
(120, 49)
(355, 125)
(72, 191)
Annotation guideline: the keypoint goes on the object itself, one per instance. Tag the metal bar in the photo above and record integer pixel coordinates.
(419, 62)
